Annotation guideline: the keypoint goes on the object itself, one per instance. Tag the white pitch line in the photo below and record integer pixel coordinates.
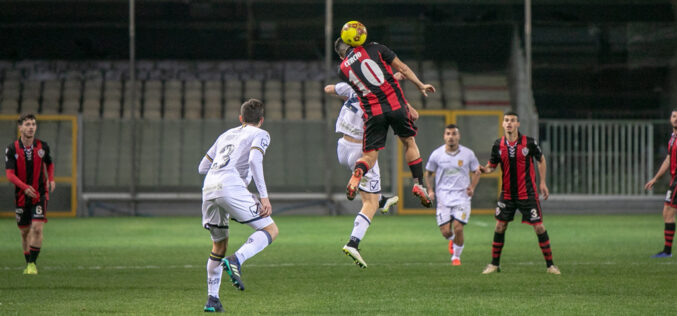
(481, 224)
(282, 265)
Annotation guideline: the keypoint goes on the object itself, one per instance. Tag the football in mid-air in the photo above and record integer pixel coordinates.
(354, 33)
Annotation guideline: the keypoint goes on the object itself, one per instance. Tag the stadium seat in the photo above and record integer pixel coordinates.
(273, 109)
(50, 97)
(213, 97)
(253, 89)
(152, 95)
(234, 90)
(172, 93)
(233, 108)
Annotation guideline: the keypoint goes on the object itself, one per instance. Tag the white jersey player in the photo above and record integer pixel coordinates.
(230, 164)
(350, 123)
(456, 172)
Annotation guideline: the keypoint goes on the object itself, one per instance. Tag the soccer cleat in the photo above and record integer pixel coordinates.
(234, 270)
(422, 194)
(31, 268)
(353, 184)
(451, 247)
(553, 269)
(455, 261)
(355, 254)
(388, 203)
(491, 269)
(213, 305)
(662, 254)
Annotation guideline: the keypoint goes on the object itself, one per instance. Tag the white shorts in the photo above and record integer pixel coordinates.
(240, 204)
(459, 212)
(348, 153)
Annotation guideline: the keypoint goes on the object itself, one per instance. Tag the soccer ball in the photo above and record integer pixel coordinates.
(354, 33)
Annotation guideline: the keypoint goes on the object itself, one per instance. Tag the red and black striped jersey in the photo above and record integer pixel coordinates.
(30, 165)
(367, 70)
(517, 162)
(672, 151)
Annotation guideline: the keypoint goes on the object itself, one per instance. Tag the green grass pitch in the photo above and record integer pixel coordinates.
(157, 266)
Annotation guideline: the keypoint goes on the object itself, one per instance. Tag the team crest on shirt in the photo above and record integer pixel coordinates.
(265, 142)
(460, 163)
(41, 153)
(525, 151)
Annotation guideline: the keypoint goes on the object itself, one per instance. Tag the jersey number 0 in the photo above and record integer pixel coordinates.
(372, 72)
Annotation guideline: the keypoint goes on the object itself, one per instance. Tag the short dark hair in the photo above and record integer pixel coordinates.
(24, 117)
(450, 126)
(340, 47)
(252, 111)
(512, 113)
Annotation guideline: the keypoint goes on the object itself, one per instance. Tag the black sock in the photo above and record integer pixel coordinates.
(215, 257)
(35, 251)
(382, 201)
(544, 243)
(353, 242)
(669, 235)
(416, 167)
(27, 255)
(362, 166)
(496, 248)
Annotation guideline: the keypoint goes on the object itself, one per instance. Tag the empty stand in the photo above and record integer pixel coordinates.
(213, 89)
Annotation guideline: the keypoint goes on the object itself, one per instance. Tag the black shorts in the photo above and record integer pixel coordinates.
(530, 209)
(376, 128)
(31, 213)
(670, 196)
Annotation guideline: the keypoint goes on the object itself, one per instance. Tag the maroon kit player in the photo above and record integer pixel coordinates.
(515, 153)
(368, 70)
(29, 167)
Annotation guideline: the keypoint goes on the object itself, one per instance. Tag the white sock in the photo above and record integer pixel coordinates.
(457, 251)
(256, 242)
(214, 270)
(360, 228)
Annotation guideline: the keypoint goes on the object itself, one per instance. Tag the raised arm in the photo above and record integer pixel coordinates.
(411, 76)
